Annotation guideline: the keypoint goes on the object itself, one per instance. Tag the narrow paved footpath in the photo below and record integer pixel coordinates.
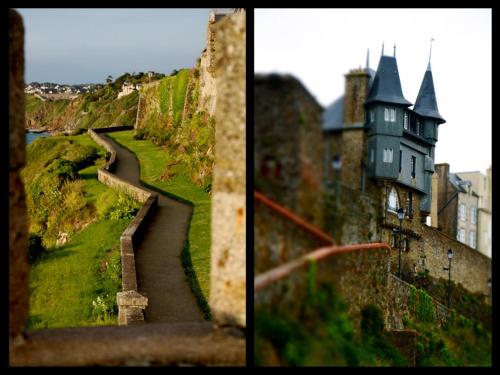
(160, 275)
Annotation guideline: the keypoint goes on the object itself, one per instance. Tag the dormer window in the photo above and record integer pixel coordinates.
(372, 115)
(419, 128)
(390, 114)
(405, 121)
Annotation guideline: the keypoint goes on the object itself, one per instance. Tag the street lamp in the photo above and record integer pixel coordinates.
(491, 292)
(450, 256)
(336, 166)
(401, 215)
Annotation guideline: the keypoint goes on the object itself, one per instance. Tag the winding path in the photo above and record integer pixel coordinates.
(160, 275)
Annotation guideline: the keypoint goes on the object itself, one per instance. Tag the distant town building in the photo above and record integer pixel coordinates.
(457, 205)
(481, 185)
(127, 89)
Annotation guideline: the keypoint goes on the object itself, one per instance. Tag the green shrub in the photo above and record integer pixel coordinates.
(125, 208)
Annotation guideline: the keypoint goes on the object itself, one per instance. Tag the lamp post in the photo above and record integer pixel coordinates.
(491, 292)
(450, 257)
(401, 215)
(336, 166)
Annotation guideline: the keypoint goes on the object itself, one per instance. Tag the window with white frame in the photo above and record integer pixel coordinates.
(393, 200)
(393, 114)
(387, 155)
(372, 115)
(461, 235)
(405, 121)
(461, 212)
(372, 155)
(472, 239)
(390, 114)
(473, 215)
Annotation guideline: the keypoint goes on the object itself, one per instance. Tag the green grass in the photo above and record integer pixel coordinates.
(196, 253)
(65, 282)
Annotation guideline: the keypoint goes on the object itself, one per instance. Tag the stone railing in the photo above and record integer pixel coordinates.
(398, 305)
(291, 236)
(130, 302)
(358, 272)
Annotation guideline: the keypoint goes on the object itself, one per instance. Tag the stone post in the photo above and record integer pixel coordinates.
(131, 306)
(18, 230)
(228, 276)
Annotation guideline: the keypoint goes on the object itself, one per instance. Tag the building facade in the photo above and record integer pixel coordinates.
(481, 185)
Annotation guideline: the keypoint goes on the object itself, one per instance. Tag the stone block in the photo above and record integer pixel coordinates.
(18, 229)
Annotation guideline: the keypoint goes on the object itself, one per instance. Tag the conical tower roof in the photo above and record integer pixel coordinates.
(386, 86)
(426, 104)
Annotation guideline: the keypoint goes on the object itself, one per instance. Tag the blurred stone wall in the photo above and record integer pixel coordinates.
(18, 227)
(288, 145)
(228, 261)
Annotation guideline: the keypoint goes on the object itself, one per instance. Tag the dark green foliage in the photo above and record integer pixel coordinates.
(35, 248)
(372, 323)
(322, 334)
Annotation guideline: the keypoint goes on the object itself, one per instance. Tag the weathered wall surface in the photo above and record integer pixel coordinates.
(228, 276)
(364, 218)
(469, 267)
(288, 145)
(278, 240)
(207, 70)
(18, 228)
(360, 277)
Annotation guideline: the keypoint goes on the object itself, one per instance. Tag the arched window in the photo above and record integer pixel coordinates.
(393, 200)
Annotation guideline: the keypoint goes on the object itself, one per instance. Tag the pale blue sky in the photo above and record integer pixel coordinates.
(319, 46)
(85, 45)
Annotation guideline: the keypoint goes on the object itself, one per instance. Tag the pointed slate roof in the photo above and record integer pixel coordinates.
(386, 86)
(426, 104)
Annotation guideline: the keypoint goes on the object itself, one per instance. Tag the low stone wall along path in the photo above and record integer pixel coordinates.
(160, 275)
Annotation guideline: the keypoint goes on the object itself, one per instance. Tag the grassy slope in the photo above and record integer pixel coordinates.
(324, 335)
(66, 281)
(152, 161)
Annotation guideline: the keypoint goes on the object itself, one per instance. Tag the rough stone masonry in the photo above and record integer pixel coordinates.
(228, 277)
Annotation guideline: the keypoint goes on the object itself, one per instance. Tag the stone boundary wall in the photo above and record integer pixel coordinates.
(361, 277)
(130, 302)
(398, 304)
(469, 267)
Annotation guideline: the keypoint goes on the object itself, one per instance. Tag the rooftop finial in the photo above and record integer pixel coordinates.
(382, 48)
(430, 53)
(394, 53)
(368, 58)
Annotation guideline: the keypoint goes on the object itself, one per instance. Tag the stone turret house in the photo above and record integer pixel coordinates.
(288, 148)
(387, 145)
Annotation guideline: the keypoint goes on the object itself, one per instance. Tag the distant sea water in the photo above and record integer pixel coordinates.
(30, 136)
